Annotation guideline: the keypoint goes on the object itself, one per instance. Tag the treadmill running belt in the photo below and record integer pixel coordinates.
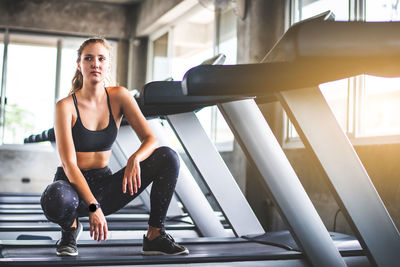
(107, 254)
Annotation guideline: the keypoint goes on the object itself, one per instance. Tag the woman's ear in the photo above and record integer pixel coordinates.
(78, 67)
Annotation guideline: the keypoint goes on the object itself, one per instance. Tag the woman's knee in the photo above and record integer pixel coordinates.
(169, 156)
(59, 200)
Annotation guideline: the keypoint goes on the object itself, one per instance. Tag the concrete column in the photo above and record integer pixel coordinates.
(138, 63)
(122, 63)
(261, 28)
(258, 32)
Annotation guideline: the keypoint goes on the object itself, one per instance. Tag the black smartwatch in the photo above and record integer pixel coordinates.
(93, 207)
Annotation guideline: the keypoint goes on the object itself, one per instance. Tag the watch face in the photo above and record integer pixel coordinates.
(92, 207)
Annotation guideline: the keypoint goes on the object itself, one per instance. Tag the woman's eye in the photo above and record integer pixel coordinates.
(102, 58)
(88, 58)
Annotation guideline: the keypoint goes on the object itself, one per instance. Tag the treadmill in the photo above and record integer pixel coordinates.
(310, 53)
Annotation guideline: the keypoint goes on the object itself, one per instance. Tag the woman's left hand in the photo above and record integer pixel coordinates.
(132, 176)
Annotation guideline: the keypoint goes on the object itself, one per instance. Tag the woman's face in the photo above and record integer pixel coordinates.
(94, 63)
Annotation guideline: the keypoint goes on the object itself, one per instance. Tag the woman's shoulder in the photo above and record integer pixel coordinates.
(64, 103)
(118, 91)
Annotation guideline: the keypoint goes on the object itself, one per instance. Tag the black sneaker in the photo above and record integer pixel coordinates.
(66, 246)
(162, 245)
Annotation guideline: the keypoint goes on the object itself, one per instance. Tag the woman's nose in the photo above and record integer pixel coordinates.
(95, 63)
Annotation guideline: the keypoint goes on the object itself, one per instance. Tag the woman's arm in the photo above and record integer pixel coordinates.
(66, 150)
(135, 118)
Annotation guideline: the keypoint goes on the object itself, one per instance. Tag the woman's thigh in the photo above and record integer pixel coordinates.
(112, 197)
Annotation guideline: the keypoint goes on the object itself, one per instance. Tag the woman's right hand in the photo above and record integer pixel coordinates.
(98, 225)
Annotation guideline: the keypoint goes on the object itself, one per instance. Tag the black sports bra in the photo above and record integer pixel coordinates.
(90, 141)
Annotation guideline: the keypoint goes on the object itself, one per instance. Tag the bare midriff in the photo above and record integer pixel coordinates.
(93, 160)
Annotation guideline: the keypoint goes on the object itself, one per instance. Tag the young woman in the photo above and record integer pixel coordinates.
(86, 125)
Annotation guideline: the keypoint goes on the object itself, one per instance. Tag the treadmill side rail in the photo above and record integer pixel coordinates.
(257, 140)
(357, 196)
(212, 168)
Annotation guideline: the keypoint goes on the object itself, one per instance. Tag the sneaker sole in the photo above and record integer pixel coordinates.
(152, 253)
(67, 253)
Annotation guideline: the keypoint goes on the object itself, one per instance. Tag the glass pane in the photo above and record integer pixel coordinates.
(160, 58)
(1, 59)
(192, 42)
(68, 68)
(382, 10)
(381, 106)
(309, 8)
(30, 90)
(228, 39)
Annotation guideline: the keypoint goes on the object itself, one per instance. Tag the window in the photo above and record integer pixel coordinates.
(365, 106)
(31, 66)
(187, 43)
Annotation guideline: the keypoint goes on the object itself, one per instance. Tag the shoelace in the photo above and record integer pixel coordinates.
(66, 237)
(166, 236)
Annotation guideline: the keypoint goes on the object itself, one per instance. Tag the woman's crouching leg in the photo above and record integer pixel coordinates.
(167, 162)
(60, 202)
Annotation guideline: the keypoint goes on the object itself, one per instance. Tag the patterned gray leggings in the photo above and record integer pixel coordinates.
(61, 203)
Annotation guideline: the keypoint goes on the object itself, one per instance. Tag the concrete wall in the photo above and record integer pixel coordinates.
(381, 163)
(67, 17)
(27, 168)
(150, 11)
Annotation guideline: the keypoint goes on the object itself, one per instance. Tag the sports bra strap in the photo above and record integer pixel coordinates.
(75, 103)
(108, 102)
